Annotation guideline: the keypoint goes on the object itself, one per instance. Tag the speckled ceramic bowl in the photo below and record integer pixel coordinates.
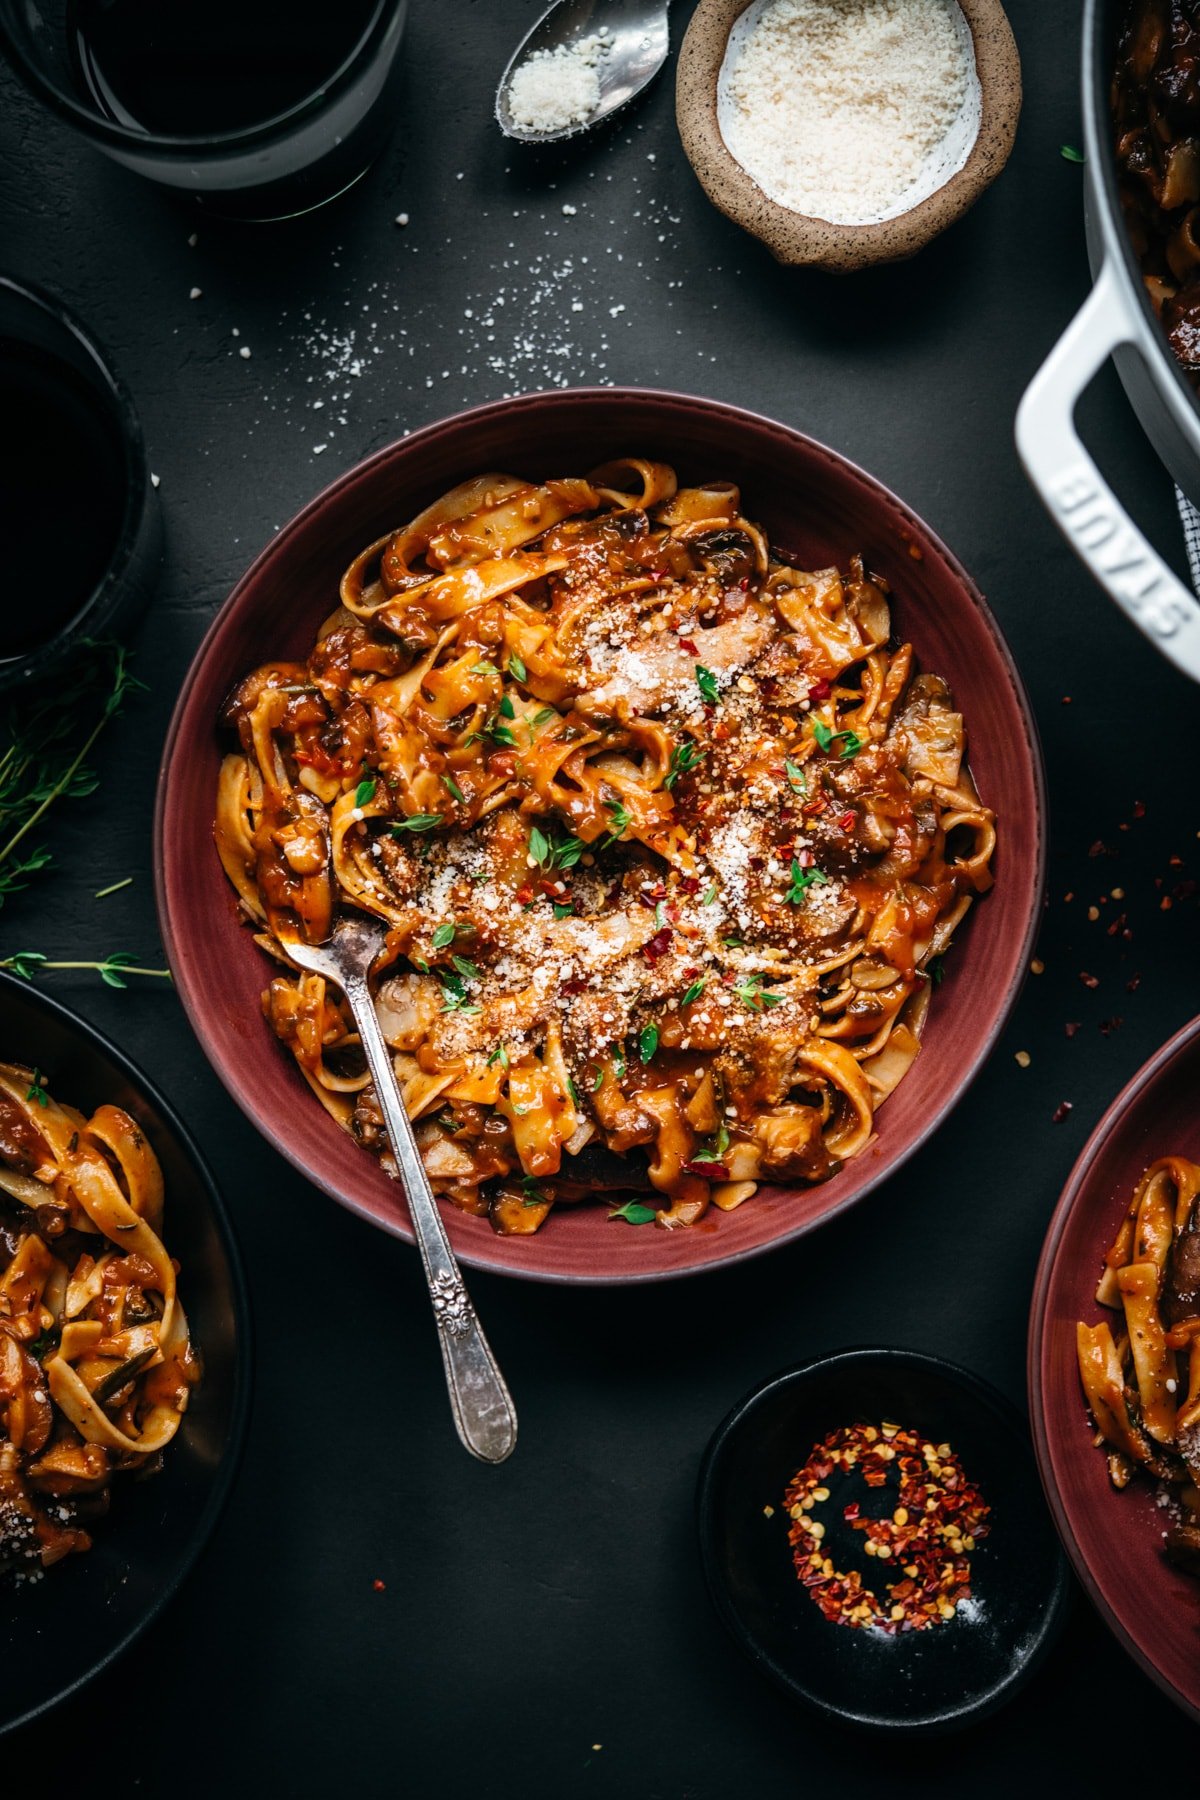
(795, 237)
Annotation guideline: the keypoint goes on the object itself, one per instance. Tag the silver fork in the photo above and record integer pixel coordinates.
(484, 1415)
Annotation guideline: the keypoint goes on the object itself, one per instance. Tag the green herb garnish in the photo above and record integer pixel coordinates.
(693, 993)
(499, 1055)
(634, 1213)
(797, 777)
(37, 1091)
(826, 739)
(802, 880)
(684, 757)
(445, 934)
(364, 793)
(706, 681)
(751, 992)
(647, 1042)
(452, 787)
(516, 666)
(417, 822)
(1070, 154)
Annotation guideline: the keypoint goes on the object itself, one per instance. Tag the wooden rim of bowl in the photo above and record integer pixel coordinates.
(797, 238)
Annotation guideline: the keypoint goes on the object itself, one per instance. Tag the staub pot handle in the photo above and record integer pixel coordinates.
(1078, 498)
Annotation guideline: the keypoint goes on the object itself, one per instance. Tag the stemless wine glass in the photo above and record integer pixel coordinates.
(261, 109)
(78, 514)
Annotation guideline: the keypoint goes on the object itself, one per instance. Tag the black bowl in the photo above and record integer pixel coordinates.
(58, 1632)
(920, 1681)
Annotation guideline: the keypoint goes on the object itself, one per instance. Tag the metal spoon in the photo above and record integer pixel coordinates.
(640, 41)
(484, 1415)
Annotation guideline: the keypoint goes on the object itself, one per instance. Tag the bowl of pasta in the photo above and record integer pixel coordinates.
(1114, 1367)
(673, 751)
(124, 1353)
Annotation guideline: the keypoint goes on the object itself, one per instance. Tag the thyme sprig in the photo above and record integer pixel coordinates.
(28, 964)
(42, 760)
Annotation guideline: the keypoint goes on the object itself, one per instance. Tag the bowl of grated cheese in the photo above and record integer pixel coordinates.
(845, 133)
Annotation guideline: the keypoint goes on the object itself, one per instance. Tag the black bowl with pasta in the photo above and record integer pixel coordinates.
(60, 1629)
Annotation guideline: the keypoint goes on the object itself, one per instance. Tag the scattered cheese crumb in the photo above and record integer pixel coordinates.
(154, 481)
(244, 351)
(1024, 1059)
(195, 294)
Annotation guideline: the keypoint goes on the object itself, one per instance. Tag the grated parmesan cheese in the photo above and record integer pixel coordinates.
(850, 110)
(553, 89)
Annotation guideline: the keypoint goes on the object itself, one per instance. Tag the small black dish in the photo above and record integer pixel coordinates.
(57, 1633)
(919, 1682)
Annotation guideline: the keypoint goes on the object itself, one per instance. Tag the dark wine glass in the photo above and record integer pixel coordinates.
(79, 519)
(261, 109)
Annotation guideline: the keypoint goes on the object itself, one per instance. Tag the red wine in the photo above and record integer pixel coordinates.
(62, 494)
(199, 68)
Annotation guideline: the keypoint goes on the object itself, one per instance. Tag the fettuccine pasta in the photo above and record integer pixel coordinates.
(667, 833)
(1142, 1378)
(95, 1359)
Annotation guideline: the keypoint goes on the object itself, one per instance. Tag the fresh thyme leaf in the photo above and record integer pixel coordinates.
(751, 993)
(660, 915)
(543, 713)
(41, 1345)
(445, 934)
(516, 666)
(693, 993)
(647, 1042)
(573, 1091)
(684, 757)
(797, 777)
(802, 880)
(619, 1063)
(826, 739)
(598, 1083)
(417, 822)
(24, 963)
(706, 681)
(936, 971)
(620, 820)
(364, 793)
(539, 846)
(561, 911)
(710, 896)
(506, 708)
(634, 1212)
(1070, 154)
(534, 1195)
(41, 757)
(452, 787)
(568, 853)
(484, 668)
(465, 968)
(499, 1055)
(37, 1091)
(500, 733)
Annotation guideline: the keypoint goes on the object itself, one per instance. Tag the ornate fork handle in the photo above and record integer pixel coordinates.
(484, 1413)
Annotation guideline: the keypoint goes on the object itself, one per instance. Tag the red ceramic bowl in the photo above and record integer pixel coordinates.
(817, 507)
(1113, 1539)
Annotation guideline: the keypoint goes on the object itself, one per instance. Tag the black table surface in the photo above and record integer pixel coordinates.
(543, 1628)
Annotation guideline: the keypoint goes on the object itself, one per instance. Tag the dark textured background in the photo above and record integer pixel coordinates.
(534, 1612)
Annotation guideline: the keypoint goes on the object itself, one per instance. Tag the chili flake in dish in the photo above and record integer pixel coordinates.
(922, 1547)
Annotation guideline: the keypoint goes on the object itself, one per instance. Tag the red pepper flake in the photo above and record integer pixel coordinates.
(575, 985)
(1066, 699)
(524, 895)
(1165, 904)
(708, 1171)
(689, 644)
(925, 1544)
(380, 1587)
(1133, 984)
(1100, 848)
(769, 686)
(1060, 1112)
(804, 858)
(847, 821)
(1089, 981)
(690, 884)
(820, 690)
(1071, 1027)
(1108, 1026)
(658, 945)
(1139, 809)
